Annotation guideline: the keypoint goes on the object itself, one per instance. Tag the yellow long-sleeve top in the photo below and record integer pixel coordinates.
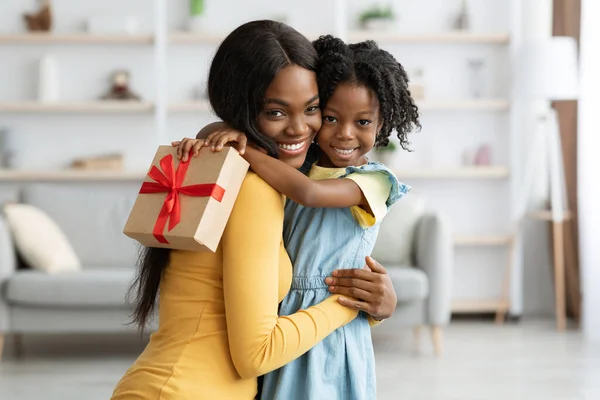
(218, 323)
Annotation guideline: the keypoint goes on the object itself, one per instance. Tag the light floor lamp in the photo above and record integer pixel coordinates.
(549, 71)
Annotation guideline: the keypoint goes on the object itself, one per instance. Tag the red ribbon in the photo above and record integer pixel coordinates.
(170, 181)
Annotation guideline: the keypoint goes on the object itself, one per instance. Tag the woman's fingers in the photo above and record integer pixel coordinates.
(353, 291)
(350, 282)
(374, 265)
(357, 273)
(354, 304)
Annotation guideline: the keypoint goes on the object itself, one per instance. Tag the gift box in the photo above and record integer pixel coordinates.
(186, 206)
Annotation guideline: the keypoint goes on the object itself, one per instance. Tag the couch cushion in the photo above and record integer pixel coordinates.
(39, 240)
(88, 288)
(409, 283)
(92, 216)
(396, 233)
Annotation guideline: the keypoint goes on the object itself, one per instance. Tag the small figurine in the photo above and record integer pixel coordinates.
(40, 21)
(120, 87)
(483, 155)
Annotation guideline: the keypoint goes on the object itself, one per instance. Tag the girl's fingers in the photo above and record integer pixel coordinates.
(243, 141)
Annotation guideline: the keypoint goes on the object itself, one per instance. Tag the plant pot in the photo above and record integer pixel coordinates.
(377, 24)
(196, 23)
(387, 158)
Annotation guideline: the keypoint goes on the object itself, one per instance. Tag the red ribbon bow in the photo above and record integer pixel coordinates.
(170, 181)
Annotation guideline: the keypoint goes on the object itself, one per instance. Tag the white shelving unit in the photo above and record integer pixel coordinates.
(164, 38)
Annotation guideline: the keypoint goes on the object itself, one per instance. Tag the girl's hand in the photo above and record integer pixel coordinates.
(186, 146)
(237, 139)
(371, 289)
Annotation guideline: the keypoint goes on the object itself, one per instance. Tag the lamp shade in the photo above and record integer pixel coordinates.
(548, 69)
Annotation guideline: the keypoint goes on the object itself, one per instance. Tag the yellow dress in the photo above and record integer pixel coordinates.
(200, 350)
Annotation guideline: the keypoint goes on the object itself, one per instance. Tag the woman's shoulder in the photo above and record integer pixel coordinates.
(255, 187)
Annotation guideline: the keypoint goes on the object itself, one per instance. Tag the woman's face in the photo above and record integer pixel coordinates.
(291, 115)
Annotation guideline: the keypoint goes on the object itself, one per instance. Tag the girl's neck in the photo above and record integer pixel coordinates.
(325, 162)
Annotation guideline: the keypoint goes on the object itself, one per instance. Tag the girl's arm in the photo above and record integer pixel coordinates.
(252, 247)
(333, 193)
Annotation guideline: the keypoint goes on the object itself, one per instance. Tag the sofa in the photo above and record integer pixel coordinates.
(93, 300)
(92, 216)
(416, 247)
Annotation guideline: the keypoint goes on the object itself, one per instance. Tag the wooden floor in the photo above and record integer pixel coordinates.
(528, 361)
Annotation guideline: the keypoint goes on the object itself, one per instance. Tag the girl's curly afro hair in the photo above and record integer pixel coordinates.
(366, 64)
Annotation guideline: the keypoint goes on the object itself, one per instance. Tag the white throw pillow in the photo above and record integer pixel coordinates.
(39, 240)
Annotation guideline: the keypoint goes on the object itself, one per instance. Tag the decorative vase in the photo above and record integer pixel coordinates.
(5, 154)
(476, 78)
(463, 19)
(49, 80)
(416, 84)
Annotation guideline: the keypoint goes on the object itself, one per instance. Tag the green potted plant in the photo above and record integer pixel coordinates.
(377, 18)
(386, 155)
(196, 15)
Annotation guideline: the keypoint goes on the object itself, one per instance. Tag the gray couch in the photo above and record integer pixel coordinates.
(417, 249)
(92, 216)
(93, 300)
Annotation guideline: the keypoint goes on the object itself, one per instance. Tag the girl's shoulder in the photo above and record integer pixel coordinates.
(377, 169)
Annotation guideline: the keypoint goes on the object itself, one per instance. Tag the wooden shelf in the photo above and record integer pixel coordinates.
(492, 172)
(74, 38)
(68, 175)
(190, 106)
(213, 39)
(467, 306)
(464, 105)
(194, 38)
(76, 107)
(482, 240)
(546, 215)
(442, 38)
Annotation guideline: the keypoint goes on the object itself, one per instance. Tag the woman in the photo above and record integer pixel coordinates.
(218, 324)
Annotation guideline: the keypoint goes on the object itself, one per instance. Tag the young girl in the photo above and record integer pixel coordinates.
(332, 219)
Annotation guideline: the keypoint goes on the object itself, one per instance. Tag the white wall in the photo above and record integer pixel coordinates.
(588, 167)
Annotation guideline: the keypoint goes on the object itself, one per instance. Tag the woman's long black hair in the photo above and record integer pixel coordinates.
(244, 66)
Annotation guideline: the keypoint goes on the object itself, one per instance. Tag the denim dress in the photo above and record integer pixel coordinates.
(319, 241)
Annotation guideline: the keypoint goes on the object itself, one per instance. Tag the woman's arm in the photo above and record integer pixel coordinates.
(333, 193)
(259, 340)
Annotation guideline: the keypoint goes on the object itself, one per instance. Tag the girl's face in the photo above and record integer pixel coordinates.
(291, 115)
(350, 124)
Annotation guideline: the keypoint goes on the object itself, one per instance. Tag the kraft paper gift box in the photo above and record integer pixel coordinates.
(186, 206)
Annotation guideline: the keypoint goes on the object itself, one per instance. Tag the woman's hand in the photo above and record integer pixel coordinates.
(371, 289)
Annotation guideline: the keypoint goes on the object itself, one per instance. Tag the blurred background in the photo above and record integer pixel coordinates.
(494, 255)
